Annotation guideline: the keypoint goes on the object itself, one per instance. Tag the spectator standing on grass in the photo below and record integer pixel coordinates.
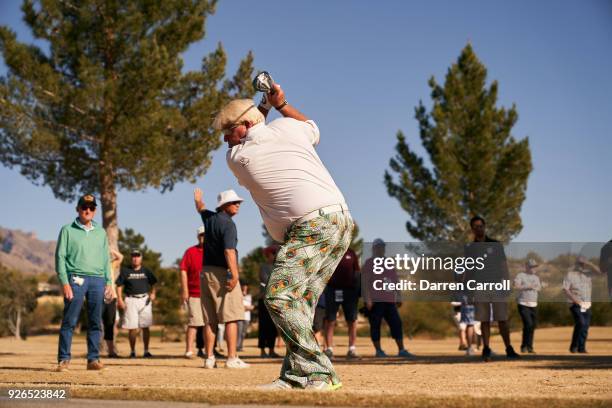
(605, 264)
(343, 289)
(190, 269)
(318, 324)
(109, 308)
(578, 285)
(221, 293)
(456, 316)
(243, 325)
(137, 283)
(528, 285)
(383, 304)
(468, 321)
(489, 305)
(82, 265)
(267, 330)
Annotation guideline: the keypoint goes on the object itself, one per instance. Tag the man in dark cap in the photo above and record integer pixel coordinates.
(83, 268)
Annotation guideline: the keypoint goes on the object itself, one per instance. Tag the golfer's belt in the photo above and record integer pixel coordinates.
(343, 208)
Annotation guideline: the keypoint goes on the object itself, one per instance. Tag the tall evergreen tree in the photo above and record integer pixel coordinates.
(106, 105)
(475, 165)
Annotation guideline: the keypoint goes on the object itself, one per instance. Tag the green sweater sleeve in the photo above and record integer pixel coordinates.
(106, 260)
(60, 256)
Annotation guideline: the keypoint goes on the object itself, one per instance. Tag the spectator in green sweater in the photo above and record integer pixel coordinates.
(82, 264)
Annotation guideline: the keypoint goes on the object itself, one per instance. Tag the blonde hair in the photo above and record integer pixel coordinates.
(237, 111)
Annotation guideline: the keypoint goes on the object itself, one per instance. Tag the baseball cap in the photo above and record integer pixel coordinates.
(87, 199)
(136, 252)
(378, 242)
(201, 230)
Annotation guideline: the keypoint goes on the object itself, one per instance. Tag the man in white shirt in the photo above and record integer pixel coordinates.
(528, 285)
(304, 210)
(578, 285)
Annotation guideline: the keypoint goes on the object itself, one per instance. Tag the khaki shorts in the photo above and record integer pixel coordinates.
(219, 305)
(484, 309)
(138, 313)
(194, 312)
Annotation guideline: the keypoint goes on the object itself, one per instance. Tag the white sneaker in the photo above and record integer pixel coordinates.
(236, 363)
(189, 354)
(210, 362)
(322, 386)
(277, 384)
(469, 351)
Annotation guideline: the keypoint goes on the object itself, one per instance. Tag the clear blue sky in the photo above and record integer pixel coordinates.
(359, 68)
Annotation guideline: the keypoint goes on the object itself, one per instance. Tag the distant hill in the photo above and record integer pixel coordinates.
(24, 252)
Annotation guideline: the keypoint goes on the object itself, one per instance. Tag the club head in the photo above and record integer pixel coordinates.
(263, 82)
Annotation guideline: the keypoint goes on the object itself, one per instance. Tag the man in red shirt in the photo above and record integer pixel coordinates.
(343, 289)
(191, 266)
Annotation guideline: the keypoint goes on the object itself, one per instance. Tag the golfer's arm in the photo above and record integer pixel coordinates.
(232, 261)
(289, 111)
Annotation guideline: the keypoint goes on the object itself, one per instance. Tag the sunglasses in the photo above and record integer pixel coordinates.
(88, 207)
(230, 129)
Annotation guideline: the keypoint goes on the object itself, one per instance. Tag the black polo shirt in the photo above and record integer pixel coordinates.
(136, 282)
(495, 266)
(219, 234)
(495, 269)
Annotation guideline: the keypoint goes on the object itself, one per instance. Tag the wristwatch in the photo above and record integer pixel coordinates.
(282, 105)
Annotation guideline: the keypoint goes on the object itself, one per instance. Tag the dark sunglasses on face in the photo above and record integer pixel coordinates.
(230, 129)
(88, 207)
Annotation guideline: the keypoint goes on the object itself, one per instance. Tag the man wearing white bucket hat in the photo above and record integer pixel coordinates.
(220, 293)
(301, 207)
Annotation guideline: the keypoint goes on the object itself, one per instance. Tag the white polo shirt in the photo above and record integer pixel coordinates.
(279, 166)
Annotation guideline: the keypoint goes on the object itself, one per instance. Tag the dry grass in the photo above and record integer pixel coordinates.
(440, 376)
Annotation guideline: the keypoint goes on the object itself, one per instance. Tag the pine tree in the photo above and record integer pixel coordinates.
(475, 165)
(107, 105)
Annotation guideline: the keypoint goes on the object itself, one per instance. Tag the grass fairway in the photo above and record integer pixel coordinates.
(440, 376)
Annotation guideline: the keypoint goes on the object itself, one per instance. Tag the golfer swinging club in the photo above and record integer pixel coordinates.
(303, 209)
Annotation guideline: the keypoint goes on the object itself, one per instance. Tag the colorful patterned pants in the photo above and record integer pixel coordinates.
(304, 264)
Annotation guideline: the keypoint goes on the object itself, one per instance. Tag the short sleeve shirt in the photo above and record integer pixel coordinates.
(344, 276)
(579, 284)
(527, 297)
(136, 282)
(388, 275)
(192, 264)
(220, 234)
(278, 164)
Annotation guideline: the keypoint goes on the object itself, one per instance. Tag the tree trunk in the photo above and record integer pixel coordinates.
(18, 324)
(108, 198)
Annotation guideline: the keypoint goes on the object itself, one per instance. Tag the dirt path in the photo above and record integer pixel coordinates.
(439, 376)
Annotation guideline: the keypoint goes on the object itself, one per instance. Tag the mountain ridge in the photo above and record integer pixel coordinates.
(24, 252)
